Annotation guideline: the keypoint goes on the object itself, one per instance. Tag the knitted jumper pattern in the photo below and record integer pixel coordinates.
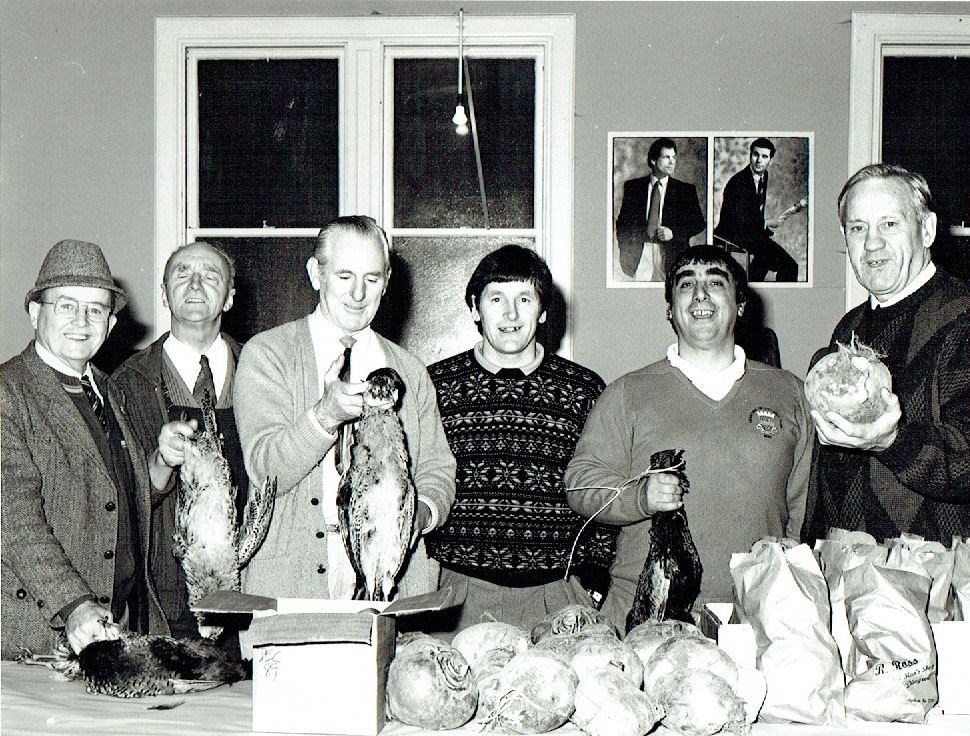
(512, 436)
(921, 483)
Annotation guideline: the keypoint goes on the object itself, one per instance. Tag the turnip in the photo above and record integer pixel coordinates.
(849, 382)
(684, 653)
(697, 702)
(645, 638)
(476, 641)
(568, 620)
(607, 704)
(607, 652)
(430, 685)
(534, 693)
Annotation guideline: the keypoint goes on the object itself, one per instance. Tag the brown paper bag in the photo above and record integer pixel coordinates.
(960, 602)
(932, 559)
(836, 555)
(780, 591)
(891, 634)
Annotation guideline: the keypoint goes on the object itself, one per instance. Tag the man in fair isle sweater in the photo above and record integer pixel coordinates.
(908, 470)
(512, 414)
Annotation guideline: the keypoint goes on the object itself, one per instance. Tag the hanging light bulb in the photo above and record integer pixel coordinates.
(460, 119)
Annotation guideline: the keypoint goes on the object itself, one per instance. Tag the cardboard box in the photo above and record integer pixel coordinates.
(952, 648)
(320, 666)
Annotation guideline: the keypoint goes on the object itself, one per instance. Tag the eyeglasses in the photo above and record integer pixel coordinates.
(65, 307)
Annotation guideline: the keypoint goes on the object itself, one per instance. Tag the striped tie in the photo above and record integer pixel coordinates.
(345, 433)
(97, 406)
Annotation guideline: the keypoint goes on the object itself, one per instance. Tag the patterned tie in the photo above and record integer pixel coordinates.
(345, 433)
(97, 406)
(761, 191)
(653, 215)
(204, 383)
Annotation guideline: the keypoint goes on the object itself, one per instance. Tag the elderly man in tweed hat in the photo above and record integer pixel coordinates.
(76, 502)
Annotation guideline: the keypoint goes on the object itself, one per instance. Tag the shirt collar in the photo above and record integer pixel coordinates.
(493, 368)
(185, 358)
(328, 331)
(928, 272)
(662, 180)
(715, 384)
(61, 367)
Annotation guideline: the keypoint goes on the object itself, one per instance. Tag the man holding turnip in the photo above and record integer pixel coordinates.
(908, 469)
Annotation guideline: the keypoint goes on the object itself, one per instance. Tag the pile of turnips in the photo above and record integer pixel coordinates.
(573, 667)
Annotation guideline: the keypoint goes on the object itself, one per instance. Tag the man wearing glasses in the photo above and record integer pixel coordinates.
(76, 486)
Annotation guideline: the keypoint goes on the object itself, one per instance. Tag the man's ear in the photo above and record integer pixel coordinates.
(33, 309)
(476, 315)
(313, 271)
(387, 280)
(542, 317)
(928, 229)
(112, 321)
(229, 299)
(164, 295)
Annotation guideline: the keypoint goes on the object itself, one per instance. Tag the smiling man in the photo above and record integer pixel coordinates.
(908, 470)
(513, 414)
(298, 386)
(744, 428)
(76, 499)
(165, 383)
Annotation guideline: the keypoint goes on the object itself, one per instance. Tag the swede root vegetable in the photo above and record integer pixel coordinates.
(684, 653)
(430, 685)
(607, 652)
(568, 620)
(534, 693)
(478, 640)
(697, 702)
(849, 382)
(645, 638)
(607, 704)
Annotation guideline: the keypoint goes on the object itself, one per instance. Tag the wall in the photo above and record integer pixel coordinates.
(76, 137)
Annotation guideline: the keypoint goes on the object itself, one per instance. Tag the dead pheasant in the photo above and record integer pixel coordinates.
(207, 538)
(376, 497)
(136, 665)
(671, 577)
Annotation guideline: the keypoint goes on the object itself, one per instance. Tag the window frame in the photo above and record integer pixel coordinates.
(366, 47)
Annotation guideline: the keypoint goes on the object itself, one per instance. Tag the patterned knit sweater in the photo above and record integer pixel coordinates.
(512, 436)
(921, 483)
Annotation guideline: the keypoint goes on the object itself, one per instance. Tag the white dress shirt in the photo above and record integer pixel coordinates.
(59, 365)
(921, 278)
(185, 358)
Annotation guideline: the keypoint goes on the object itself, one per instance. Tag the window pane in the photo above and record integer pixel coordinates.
(268, 142)
(272, 286)
(435, 177)
(424, 307)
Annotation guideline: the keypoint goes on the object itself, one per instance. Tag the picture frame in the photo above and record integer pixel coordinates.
(764, 222)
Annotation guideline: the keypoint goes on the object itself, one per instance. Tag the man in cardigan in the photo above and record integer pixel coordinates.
(908, 470)
(165, 383)
(513, 414)
(743, 426)
(76, 487)
(292, 397)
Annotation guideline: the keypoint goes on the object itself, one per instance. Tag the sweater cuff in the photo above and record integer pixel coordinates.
(434, 516)
(646, 514)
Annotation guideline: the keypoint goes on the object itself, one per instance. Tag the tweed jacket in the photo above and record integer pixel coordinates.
(59, 520)
(275, 390)
(140, 381)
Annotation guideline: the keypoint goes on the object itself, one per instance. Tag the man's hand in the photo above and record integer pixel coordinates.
(664, 234)
(422, 517)
(773, 223)
(172, 438)
(341, 402)
(662, 492)
(87, 623)
(876, 435)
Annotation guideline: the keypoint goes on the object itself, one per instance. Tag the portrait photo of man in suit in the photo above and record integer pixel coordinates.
(659, 215)
(760, 198)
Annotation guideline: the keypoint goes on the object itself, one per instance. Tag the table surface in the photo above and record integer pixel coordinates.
(34, 703)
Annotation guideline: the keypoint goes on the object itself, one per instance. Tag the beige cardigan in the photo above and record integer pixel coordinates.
(276, 387)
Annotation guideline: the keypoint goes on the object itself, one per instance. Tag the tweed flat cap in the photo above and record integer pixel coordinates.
(76, 263)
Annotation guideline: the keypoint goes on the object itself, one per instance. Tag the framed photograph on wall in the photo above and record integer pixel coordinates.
(749, 193)
(658, 203)
(761, 201)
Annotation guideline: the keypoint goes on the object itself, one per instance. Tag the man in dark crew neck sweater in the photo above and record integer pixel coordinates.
(908, 470)
(513, 414)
